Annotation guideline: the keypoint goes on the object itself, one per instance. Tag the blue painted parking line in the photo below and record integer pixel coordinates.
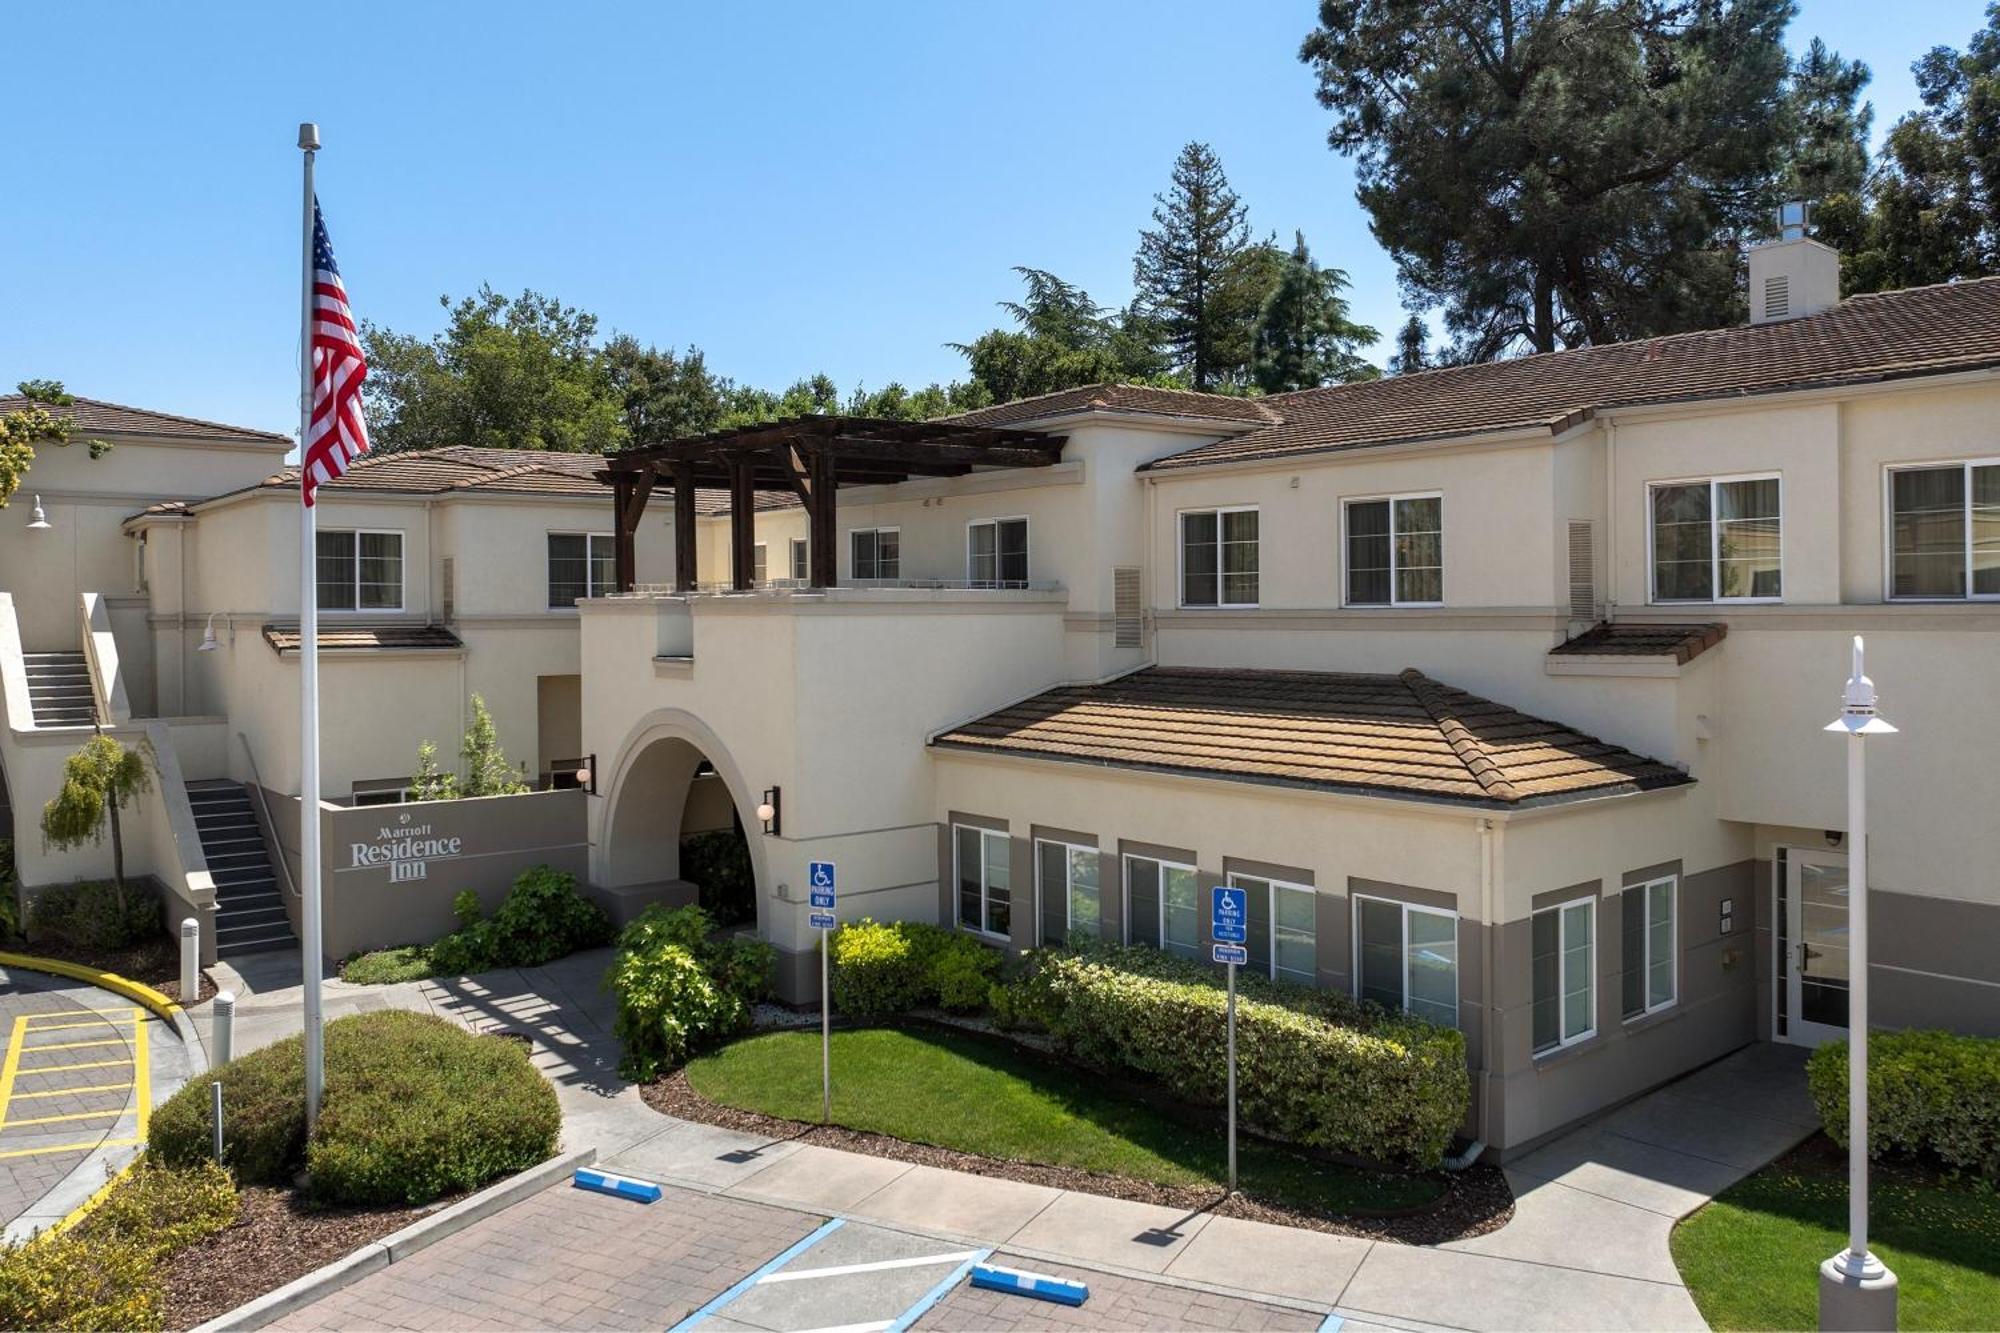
(609, 1182)
(937, 1293)
(825, 1229)
(1041, 1286)
(1331, 1324)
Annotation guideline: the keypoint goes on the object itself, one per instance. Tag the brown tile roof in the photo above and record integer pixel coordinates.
(95, 416)
(1884, 336)
(1402, 736)
(1123, 398)
(335, 638)
(1683, 643)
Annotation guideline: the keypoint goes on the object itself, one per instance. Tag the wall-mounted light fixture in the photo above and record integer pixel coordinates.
(208, 643)
(768, 811)
(37, 520)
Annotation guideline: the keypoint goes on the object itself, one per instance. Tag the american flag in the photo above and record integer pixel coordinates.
(337, 434)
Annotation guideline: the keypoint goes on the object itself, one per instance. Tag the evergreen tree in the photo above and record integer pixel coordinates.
(1304, 337)
(1828, 124)
(1063, 339)
(1412, 348)
(486, 770)
(1196, 268)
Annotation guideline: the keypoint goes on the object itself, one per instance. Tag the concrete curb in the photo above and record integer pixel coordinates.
(397, 1245)
(137, 992)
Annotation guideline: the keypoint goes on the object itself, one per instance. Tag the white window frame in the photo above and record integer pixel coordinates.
(397, 787)
(985, 901)
(854, 573)
(590, 540)
(1394, 600)
(1271, 911)
(1565, 1040)
(1125, 868)
(402, 570)
(1069, 903)
(760, 564)
(1714, 598)
(1027, 550)
(799, 558)
(1673, 948)
(1889, 529)
(1403, 948)
(1180, 558)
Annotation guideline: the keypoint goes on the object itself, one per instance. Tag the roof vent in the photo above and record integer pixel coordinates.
(1127, 614)
(1793, 275)
(1582, 571)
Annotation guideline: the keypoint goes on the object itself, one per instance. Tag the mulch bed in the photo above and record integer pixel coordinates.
(154, 962)
(1475, 1200)
(277, 1238)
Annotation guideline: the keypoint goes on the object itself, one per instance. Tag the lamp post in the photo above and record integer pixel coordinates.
(1856, 1290)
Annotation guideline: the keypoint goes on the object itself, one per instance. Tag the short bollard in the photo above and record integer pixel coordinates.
(222, 1034)
(215, 1105)
(190, 962)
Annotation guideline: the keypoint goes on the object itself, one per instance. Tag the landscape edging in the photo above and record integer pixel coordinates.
(397, 1245)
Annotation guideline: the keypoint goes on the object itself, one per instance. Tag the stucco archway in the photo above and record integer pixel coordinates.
(639, 840)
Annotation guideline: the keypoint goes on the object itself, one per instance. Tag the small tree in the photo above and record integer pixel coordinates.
(487, 772)
(24, 428)
(430, 783)
(98, 781)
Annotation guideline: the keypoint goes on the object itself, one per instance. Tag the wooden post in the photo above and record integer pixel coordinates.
(821, 530)
(624, 557)
(742, 526)
(684, 529)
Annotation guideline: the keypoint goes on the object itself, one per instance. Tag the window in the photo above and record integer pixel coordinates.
(1406, 957)
(1944, 531)
(386, 791)
(580, 565)
(1646, 921)
(1162, 906)
(359, 571)
(877, 553)
(1717, 541)
(982, 872)
(801, 561)
(996, 553)
(1395, 551)
(1219, 557)
(1565, 991)
(1281, 928)
(760, 564)
(1066, 876)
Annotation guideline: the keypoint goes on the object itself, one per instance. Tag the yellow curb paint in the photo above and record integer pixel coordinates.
(73, 1092)
(15, 1040)
(73, 1115)
(76, 1045)
(63, 1069)
(111, 981)
(142, 1079)
(39, 1028)
(85, 1208)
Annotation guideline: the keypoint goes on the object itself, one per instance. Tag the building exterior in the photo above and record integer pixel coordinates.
(1499, 688)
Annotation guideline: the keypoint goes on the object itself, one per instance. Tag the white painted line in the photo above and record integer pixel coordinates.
(876, 1327)
(880, 1265)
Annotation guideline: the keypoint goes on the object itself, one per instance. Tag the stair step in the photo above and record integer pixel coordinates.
(249, 902)
(265, 944)
(235, 925)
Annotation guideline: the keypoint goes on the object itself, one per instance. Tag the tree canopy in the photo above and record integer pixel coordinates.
(36, 424)
(1304, 338)
(99, 780)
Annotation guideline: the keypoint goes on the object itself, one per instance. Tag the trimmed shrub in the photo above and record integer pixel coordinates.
(165, 1208)
(90, 915)
(680, 988)
(415, 1107)
(10, 893)
(542, 918)
(1930, 1093)
(1314, 1068)
(882, 968)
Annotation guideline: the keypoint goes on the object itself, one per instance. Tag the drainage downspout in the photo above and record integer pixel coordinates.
(1488, 853)
(1610, 518)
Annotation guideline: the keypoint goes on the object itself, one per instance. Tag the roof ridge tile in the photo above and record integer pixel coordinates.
(1432, 697)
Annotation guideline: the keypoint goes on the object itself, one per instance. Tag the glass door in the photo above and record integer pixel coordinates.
(1815, 942)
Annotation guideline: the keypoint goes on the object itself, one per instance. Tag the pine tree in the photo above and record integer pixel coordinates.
(1412, 348)
(1189, 260)
(1829, 126)
(1304, 337)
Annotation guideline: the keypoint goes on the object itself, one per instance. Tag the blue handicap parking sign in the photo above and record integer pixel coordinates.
(821, 921)
(819, 879)
(1232, 916)
(1229, 953)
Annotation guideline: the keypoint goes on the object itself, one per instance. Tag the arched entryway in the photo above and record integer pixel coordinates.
(678, 813)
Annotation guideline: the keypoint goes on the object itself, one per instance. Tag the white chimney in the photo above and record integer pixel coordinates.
(1793, 275)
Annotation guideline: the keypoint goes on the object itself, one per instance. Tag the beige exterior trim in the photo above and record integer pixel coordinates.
(1372, 619)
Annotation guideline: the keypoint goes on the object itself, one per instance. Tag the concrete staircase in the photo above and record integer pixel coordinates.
(249, 904)
(59, 689)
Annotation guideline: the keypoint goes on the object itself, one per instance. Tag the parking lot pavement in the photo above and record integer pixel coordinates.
(1116, 1302)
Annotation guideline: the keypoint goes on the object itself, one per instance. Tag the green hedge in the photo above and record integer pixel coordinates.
(1313, 1067)
(881, 968)
(415, 1108)
(681, 987)
(542, 918)
(1930, 1093)
(93, 914)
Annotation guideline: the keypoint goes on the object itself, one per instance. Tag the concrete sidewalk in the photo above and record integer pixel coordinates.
(1586, 1249)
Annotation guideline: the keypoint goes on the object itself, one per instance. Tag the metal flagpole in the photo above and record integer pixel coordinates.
(309, 672)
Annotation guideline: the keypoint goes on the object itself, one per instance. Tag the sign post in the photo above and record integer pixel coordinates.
(1230, 929)
(820, 883)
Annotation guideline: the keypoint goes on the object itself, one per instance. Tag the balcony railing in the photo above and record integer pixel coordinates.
(799, 587)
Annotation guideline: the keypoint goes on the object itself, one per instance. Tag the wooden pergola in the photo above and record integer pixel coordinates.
(811, 457)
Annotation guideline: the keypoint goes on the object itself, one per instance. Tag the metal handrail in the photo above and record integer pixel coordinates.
(785, 586)
(257, 784)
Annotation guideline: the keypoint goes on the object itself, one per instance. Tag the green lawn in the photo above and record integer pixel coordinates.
(980, 1095)
(383, 967)
(1752, 1257)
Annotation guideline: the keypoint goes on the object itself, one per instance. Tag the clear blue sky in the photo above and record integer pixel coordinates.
(794, 187)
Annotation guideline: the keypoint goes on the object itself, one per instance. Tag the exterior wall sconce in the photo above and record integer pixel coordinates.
(38, 521)
(208, 642)
(768, 811)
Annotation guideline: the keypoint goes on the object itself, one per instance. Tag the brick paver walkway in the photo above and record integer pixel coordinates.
(568, 1259)
(1115, 1303)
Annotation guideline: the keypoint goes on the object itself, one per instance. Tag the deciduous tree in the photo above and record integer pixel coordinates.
(42, 421)
(99, 780)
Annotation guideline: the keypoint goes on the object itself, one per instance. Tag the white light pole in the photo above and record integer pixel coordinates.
(1856, 1290)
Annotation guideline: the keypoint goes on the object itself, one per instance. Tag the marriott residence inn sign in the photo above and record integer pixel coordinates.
(405, 849)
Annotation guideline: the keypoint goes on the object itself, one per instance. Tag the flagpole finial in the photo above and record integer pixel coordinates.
(308, 136)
